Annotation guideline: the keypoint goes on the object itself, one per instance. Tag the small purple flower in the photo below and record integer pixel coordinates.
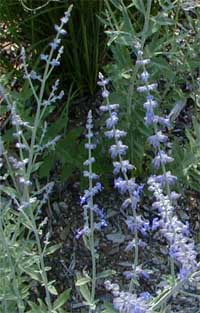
(112, 120)
(65, 18)
(127, 302)
(60, 30)
(147, 88)
(89, 161)
(100, 225)
(156, 223)
(90, 175)
(55, 62)
(82, 232)
(126, 203)
(44, 57)
(124, 186)
(118, 150)
(166, 179)
(174, 196)
(61, 95)
(161, 158)
(105, 93)
(121, 184)
(34, 76)
(109, 107)
(115, 133)
(103, 82)
(144, 76)
(122, 166)
(140, 224)
(149, 118)
(55, 43)
(162, 121)
(90, 146)
(143, 62)
(150, 103)
(157, 139)
(132, 244)
(145, 296)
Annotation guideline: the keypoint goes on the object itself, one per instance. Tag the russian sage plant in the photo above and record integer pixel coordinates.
(125, 185)
(94, 219)
(22, 235)
(181, 247)
(125, 301)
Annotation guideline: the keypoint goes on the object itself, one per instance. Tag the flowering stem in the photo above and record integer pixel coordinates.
(92, 243)
(172, 267)
(136, 251)
(91, 234)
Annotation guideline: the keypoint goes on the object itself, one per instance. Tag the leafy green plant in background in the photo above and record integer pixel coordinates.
(187, 157)
(31, 22)
(170, 37)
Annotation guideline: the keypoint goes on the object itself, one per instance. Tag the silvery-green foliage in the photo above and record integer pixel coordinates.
(25, 243)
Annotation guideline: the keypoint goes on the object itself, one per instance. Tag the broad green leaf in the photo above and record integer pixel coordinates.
(62, 299)
(85, 292)
(36, 166)
(82, 281)
(47, 165)
(53, 248)
(9, 191)
(36, 308)
(106, 273)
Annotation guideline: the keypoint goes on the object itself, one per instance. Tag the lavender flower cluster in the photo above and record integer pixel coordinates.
(180, 243)
(87, 200)
(118, 150)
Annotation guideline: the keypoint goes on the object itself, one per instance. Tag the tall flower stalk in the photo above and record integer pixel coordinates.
(94, 219)
(181, 245)
(136, 223)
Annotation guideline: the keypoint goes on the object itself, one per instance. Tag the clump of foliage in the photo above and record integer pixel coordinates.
(24, 242)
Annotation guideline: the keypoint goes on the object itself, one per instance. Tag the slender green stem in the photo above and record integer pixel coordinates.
(92, 241)
(146, 22)
(31, 221)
